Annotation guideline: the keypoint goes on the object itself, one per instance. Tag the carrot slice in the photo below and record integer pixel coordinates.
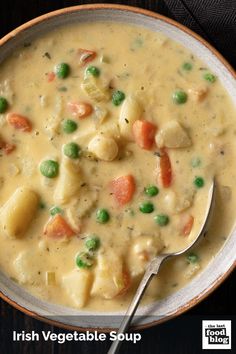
(51, 76)
(144, 133)
(19, 122)
(58, 229)
(165, 169)
(123, 189)
(188, 225)
(85, 55)
(7, 147)
(80, 109)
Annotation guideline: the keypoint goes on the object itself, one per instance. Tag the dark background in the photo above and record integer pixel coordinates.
(179, 336)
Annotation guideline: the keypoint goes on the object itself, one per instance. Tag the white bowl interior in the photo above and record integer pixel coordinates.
(222, 261)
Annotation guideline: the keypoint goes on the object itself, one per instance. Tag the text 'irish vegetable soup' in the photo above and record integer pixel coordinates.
(110, 137)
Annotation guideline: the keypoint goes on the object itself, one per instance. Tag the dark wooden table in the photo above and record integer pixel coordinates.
(179, 336)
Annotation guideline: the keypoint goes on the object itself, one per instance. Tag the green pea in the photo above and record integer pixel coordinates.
(62, 70)
(92, 243)
(196, 162)
(180, 97)
(199, 182)
(71, 150)
(209, 77)
(69, 126)
(49, 168)
(55, 210)
(192, 258)
(84, 260)
(3, 105)
(146, 207)
(187, 66)
(118, 97)
(161, 219)
(93, 70)
(102, 216)
(151, 191)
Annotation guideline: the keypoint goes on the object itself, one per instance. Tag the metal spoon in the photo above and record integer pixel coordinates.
(154, 267)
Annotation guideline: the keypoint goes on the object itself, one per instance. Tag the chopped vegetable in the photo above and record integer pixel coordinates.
(84, 260)
(161, 219)
(146, 207)
(124, 283)
(103, 147)
(165, 169)
(187, 66)
(101, 114)
(192, 258)
(95, 91)
(102, 216)
(85, 56)
(80, 109)
(173, 135)
(118, 97)
(6, 147)
(198, 93)
(151, 191)
(69, 126)
(199, 182)
(49, 168)
(62, 70)
(105, 59)
(123, 189)
(58, 229)
(188, 225)
(3, 104)
(93, 70)
(72, 150)
(180, 97)
(55, 210)
(196, 162)
(131, 110)
(92, 243)
(50, 278)
(51, 76)
(144, 133)
(19, 122)
(209, 77)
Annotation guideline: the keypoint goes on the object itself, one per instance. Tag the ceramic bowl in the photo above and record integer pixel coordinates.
(223, 263)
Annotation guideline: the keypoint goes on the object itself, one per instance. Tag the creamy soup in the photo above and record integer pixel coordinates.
(110, 138)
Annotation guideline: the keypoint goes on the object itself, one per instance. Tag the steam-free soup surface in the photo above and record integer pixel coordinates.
(110, 138)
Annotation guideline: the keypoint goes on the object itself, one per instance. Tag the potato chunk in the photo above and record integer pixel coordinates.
(178, 202)
(27, 267)
(198, 94)
(18, 212)
(173, 135)
(104, 148)
(77, 285)
(69, 181)
(130, 112)
(142, 250)
(110, 278)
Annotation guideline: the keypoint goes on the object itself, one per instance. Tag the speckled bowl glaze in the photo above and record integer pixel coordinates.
(223, 263)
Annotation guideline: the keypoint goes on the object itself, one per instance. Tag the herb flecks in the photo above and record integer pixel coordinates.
(47, 55)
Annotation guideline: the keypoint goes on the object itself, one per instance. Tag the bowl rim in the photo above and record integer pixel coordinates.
(137, 10)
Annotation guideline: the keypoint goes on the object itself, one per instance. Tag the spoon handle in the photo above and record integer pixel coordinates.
(150, 271)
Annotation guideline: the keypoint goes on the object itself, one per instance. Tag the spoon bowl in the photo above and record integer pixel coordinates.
(154, 266)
